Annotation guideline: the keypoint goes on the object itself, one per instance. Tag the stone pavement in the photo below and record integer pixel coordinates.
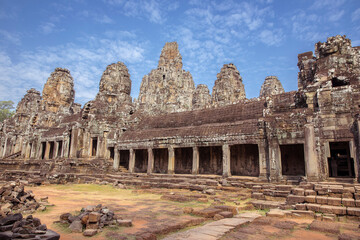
(214, 230)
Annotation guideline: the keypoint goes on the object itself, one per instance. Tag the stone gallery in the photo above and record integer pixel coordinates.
(173, 127)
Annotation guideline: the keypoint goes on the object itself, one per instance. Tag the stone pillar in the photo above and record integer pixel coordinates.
(38, 149)
(263, 169)
(87, 144)
(226, 160)
(195, 163)
(56, 149)
(47, 151)
(102, 146)
(116, 159)
(24, 149)
(353, 150)
(132, 161)
(150, 167)
(33, 150)
(311, 158)
(171, 161)
(98, 147)
(74, 143)
(275, 161)
(357, 154)
(66, 146)
(18, 145)
(27, 151)
(5, 146)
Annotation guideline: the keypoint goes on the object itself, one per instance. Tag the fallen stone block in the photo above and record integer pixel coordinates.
(310, 199)
(124, 222)
(347, 202)
(334, 201)
(293, 199)
(226, 214)
(207, 212)
(313, 207)
(283, 187)
(353, 211)
(321, 200)
(76, 226)
(90, 232)
(303, 213)
(327, 227)
(298, 191)
(310, 193)
(300, 206)
(333, 210)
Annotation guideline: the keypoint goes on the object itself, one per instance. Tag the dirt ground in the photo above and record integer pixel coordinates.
(151, 214)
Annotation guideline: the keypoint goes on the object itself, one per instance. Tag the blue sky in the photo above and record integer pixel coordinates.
(261, 37)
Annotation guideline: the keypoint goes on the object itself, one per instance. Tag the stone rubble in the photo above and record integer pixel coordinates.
(92, 220)
(14, 199)
(14, 226)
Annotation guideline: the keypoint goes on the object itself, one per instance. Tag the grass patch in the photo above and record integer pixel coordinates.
(46, 211)
(103, 190)
(62, 227)
(263, 211)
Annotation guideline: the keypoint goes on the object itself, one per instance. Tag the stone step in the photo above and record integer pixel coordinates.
(265, 204)
(329, 209)
(214, 230)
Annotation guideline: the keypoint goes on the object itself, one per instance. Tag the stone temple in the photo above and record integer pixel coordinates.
(177, 129)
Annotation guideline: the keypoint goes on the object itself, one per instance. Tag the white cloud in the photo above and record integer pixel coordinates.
(155, 11)
(355, 15)
(104, 19)
(332, 4)
(271, 38)
(336, 16)
(47, 28)
(86, 65)
(10, 37)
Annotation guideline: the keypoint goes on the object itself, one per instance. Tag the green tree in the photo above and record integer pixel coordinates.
(5, 110)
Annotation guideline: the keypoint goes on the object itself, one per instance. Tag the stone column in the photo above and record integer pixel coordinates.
(132, 161)
(56, 149)
(150, 167)
(39, 148)
(226, 160)
(87, 144)
(311, 158)
(47, 151)
(195, 163)
(24, 149)
(275, 161)
(5, 146)
(263, 169)
(116, 159)
(171, 161)
(353, 150)
(74, 143)
(27, 151)
(33, 150)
